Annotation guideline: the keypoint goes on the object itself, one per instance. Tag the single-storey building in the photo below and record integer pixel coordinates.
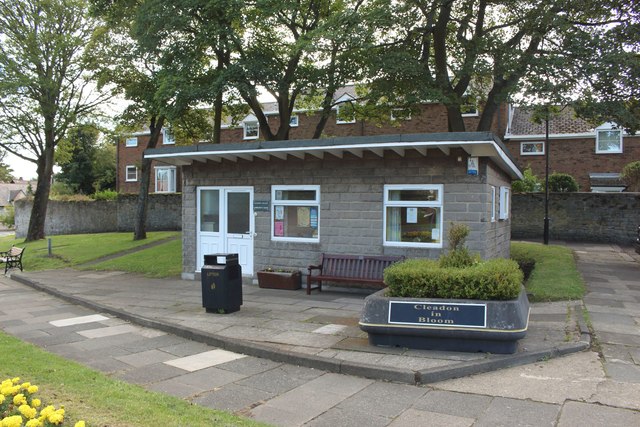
(283, 203)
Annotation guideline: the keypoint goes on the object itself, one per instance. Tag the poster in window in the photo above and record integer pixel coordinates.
(304, 216)
(412, 215)
(278, 228)
(435, 234)
(314, 217)
(279, 212)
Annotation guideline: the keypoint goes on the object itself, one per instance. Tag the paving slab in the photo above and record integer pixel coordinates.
(515, 413)
(585, 414)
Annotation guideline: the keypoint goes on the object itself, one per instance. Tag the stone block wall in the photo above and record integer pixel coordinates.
(164, 213)
(588, 217)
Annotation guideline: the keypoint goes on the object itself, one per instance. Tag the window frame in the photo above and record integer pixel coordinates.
(294, 121)
(465, 103)
(172, 178)
(167, 136)
(127, 142)
(438, 203)
(406, 118)
(126, 173)
(299, 203)
(599, 151)
(244, 129)
(532, 153)
(493, 203)
(344, 122)
(505, 201)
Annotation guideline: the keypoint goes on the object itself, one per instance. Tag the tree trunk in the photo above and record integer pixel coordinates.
(217, 118)
(454, 116)
(41, 196)
(140, 231)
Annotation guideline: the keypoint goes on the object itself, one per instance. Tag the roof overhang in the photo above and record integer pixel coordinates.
(475, 144)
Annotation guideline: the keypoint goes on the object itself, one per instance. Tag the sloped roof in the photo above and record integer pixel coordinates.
(565, 122)
(12, 191)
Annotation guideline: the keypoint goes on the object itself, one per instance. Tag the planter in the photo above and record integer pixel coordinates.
(445, 324)
(279, 280)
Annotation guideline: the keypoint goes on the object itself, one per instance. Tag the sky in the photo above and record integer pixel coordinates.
(21, 168)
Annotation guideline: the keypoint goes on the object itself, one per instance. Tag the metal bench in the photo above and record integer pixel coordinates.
(366, 269)
(12, 258)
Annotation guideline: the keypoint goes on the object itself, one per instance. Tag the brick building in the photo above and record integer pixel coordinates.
(594, 156)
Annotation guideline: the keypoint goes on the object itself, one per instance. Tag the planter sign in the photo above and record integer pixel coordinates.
(438, 314)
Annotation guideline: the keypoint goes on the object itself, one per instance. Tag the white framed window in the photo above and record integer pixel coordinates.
(295, 213)
(505, 200)
(345, 114)
(493, 203)
(167, 137)
(535, 148)
(398, 114)
(413, 215)
(251, 130)
(131, 173)
(131, 142)
(165, 179)
(469, 106)
(293, 122)
(608, 141)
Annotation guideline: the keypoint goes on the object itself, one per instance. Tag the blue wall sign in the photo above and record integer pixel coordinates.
(438, 314)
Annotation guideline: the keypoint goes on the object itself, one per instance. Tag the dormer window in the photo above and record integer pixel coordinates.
(608, 139)
(167, 136)
(251, 130)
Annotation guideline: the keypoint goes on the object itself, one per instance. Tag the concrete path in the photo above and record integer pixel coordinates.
(579, 389)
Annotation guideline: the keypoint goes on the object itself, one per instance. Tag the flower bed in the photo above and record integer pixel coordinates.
(19, 407)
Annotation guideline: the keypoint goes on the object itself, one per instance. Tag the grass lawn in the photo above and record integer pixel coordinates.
(97, 399)
(555, 276)
(75, 249)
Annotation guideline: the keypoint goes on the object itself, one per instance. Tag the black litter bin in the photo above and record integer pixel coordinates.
(221, 278)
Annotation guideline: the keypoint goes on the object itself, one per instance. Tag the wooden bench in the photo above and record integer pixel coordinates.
(12, 258)
(365, 269)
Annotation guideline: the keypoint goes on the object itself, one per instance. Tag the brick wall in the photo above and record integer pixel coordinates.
(164, 213)
(578, 158)
(589, 217)
(351, 209)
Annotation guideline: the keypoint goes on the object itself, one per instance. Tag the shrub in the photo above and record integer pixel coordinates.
(562, 183)
(525, 260)
(458, 256)
(528, 184)
(9, 217)
(631, 175)
(105, 195)
(496, 279)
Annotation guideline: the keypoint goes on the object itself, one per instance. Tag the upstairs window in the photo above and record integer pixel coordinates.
(345, 114)
(469, 106)
(251, 130)
(131, 142)
(167, 137)
(398, 114)
(608, 141)
(294, 121)
(532, 148)
(131, 174)
(165, 179)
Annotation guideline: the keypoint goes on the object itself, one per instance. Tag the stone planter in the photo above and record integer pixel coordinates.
(445, 324)
(279, 280)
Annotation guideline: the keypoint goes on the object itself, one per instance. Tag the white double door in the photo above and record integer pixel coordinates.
(226, 224)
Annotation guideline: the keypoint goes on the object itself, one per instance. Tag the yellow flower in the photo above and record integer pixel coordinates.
(79, 424)
(25, 385)
(19, 399)
(13, 421)
(33, 423)
(27, 411)
(1, 398)
(36, 403)
(32, 389)
(16, 380)
(47, 411)
(56, 418)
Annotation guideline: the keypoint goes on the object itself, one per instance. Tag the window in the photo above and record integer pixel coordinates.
(293, 122)
(167, 137)
(131, 174)
(345, 114)
(413, 215)
(504, 202)
(132, 142)
(295, 213)
(532, 148)
(493, 204)
(398, 114)
(165, 179)
(469, 106)
(609, 141)
(251, 130)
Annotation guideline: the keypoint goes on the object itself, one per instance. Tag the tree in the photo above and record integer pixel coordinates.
(451, 51)
(6, 173)
(77, 171)
(631, 175)
(43, 90)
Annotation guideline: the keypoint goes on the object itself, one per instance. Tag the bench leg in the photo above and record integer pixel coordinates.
(319, 287)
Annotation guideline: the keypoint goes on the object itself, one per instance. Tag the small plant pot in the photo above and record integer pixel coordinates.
(280, 280)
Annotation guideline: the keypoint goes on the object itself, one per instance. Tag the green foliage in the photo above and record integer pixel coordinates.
(9, 217)
(6, 173)
(77, 166)
(496, 279)
(631, 175)
(526, 261)
(105, 195)
(528, 184)
(562, 183)
(458, 255)
(60, 189)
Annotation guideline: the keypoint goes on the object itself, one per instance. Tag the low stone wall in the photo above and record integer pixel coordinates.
(587, 217)
(164, 213)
